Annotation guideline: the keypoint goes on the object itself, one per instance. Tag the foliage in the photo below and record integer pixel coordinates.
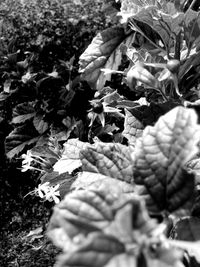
(39, 51)
(127, 168)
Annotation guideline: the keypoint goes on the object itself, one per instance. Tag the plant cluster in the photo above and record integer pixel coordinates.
(125, 166)
(40, 47)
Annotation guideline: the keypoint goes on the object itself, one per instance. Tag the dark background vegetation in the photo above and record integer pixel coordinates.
(36, 36)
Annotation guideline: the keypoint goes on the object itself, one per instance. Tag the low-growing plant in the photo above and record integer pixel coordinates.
(129, 191)
(39, 50)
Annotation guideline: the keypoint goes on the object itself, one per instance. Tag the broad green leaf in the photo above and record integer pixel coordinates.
(160, 156)
(109, 159)
(98, 249)
(133, 128)
(96, 55)
(40, 125)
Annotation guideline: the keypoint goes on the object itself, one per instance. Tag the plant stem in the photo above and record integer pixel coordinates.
(191, 5)
(163, 95)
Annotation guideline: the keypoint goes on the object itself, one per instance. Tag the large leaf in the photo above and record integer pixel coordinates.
(96, 55)
(133, 128)
(109, 159)
(160, 156)
(99, 249)
(114, 222)
(82, 212)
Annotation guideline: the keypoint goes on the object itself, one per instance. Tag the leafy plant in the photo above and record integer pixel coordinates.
(129, 186)
(39, 54)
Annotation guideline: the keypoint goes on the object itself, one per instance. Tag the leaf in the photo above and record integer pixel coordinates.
(187, 229)
(96, 55)
(40, 125)
(84, 222)
(70, 159)
(86, 180)
(83, 212)
(164, 24)
(20, 137)
(191, 27)
(160, 156)
(192, 248)
(67, 165)
(131, 220)
(131, 8)
(72, 148)
(98, 248)
(133, 128)
(65, 181)
(46, 151)
(109, 159)
(23, 109)
(22, 118)
(19, 148)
